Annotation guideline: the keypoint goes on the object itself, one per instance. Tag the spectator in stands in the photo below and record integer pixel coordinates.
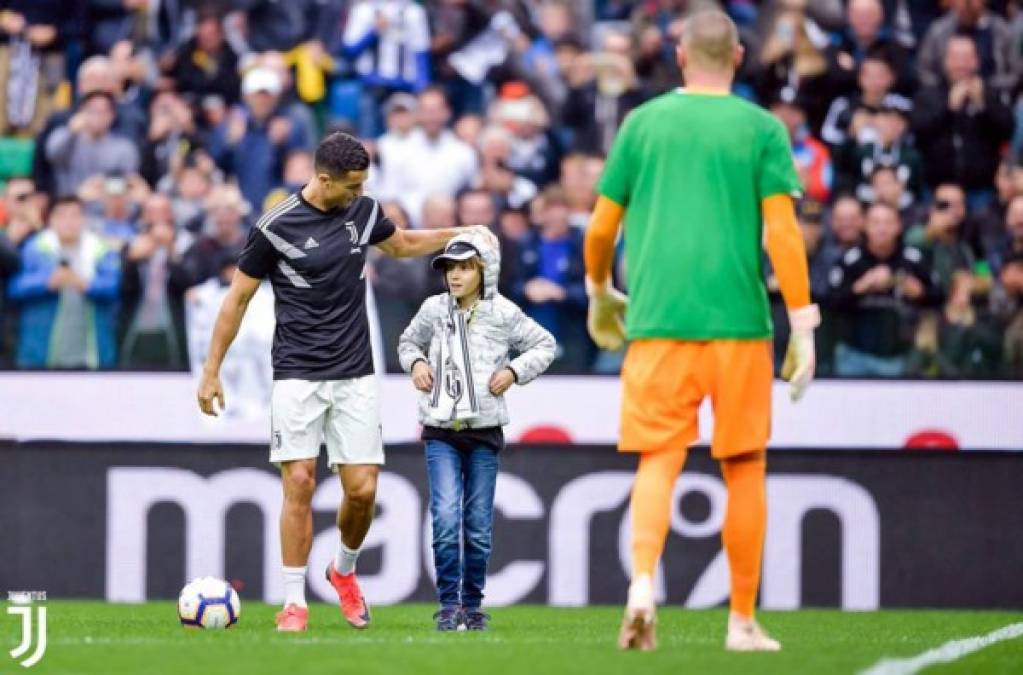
(656, 68)
(439, 212)
(172, 136)
(253, 140)
(1009, 242)
(430, 160)
(604, 89)
(95, 74)
(396, 148)
(280, 26)
(152, 330)
(813, 160)
(551, 281)
(477, 207)
(188, 189)
(579, 176)
(983, 231)
(206, 65)
(225, 235)
(1011, 279)
(112, 203)
(865, 34)
(534, 152)
(389, 40)
(398, 285)
(31, 50)
(845, 229)
(298, 171)
(22, 219)
(495, 176)
(791, 55)
(156, 25)
(86, 145)
(887, 186)
(940, 236)
(67, 293)
(850, 117)
(289, 102)
(883, 142)
(997, 48)
(960, 341)
(879, 285)
(960, 125)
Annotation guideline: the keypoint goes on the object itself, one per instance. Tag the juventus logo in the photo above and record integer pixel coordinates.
(353, 233)
(21, 603)
(453, 381)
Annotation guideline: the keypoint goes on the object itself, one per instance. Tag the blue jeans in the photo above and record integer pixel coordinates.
(461, 504)
(851, 362)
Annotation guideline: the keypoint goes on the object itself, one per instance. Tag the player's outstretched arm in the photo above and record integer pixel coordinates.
(605, 319)
(229, 319)
(785, 248)
(413, 243)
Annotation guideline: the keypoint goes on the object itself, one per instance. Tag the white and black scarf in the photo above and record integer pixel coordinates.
(454, 394)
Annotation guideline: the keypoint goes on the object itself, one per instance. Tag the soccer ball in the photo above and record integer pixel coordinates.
(208, 602)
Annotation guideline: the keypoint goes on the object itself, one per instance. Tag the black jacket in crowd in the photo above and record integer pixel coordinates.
(964, 146)
(879, 323)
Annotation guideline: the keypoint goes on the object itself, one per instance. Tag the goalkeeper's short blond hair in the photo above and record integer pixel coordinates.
(710, 38)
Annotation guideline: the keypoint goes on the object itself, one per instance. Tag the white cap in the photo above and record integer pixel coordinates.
(261, 79)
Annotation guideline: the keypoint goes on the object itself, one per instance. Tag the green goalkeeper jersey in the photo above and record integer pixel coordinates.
(691, 171)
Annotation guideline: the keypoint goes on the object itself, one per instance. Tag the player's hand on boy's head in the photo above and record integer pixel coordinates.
(422, 376)
(605, 319)
(501, 381)
(211, 394)
(487, 234)
(800, 357)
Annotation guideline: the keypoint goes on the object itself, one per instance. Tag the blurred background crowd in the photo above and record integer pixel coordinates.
(140, 139)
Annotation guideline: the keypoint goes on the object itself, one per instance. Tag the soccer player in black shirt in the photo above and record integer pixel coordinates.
(312, 247)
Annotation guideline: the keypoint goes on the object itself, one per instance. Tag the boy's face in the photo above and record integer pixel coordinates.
(463, 279)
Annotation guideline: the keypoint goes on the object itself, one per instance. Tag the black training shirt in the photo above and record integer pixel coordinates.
(316, 264)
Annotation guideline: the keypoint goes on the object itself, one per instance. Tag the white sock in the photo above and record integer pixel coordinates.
(344, 559)
(294, 586)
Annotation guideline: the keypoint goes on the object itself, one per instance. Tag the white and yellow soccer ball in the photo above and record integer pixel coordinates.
(209, 602)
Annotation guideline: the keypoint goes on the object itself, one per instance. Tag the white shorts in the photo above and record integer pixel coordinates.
(344, 413)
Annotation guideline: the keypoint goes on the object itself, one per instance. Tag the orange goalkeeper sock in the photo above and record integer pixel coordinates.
(745, 523)
(651, 506)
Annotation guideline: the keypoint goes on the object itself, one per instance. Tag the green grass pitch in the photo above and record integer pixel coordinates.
(107, 639)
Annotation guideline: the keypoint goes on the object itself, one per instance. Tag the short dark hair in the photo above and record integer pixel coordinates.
(64, 200)
(340, 153)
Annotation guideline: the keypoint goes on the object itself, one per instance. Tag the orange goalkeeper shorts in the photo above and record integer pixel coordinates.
(665, 381)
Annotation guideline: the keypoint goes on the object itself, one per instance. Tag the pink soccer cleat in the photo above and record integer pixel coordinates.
(353, 605)
(292, 619)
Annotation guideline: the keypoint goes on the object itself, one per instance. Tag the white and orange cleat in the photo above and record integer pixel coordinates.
(292, 619)
(353, 605)
(746, 635)
(639, 622)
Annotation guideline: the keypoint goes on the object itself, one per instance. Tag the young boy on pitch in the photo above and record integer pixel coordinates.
(457, 349)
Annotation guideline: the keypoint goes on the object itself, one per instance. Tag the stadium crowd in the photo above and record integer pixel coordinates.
(140, 139)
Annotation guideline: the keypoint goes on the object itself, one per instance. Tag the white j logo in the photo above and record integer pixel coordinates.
(26, 634)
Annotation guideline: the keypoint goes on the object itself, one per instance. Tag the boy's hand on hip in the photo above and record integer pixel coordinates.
(422, 376)
(501, 381)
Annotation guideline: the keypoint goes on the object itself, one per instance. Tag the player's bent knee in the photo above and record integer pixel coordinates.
(299, 481)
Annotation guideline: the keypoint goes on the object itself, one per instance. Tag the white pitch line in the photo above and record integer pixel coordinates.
(952, 650)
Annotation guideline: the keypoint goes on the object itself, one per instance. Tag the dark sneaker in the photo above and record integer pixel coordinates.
(476, 619)
(448, 618)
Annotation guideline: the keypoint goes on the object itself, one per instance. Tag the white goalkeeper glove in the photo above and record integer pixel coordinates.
(800, 357)
(605, 319)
